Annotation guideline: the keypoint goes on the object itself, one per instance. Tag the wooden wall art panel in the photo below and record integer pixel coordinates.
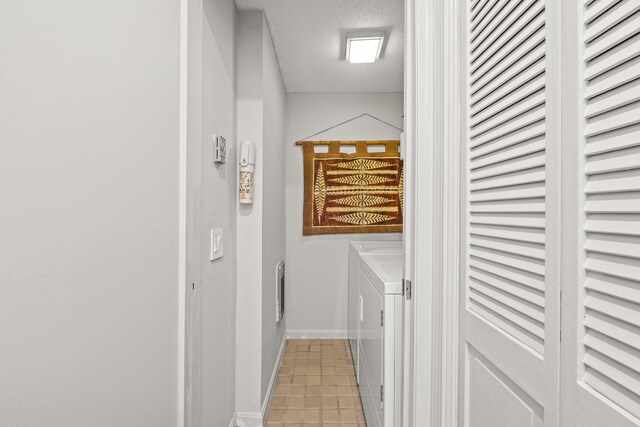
(359, 192)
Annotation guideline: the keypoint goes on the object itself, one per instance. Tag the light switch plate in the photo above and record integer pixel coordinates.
(217, 244)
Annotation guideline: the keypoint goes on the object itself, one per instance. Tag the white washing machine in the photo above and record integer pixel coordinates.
(377, 338)
(356, 250)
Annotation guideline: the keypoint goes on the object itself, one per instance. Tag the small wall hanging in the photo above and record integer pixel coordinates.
(358, 192)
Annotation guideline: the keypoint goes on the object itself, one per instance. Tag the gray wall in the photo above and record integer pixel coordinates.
(214, 301)
(89, 173)
(317, 265)
(273, 205)
(261, 225)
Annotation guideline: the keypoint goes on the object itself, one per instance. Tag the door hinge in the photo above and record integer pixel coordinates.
(406, 288)
(382, 396)
(381, 317)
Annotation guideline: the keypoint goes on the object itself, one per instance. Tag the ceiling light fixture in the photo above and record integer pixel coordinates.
(364, 47)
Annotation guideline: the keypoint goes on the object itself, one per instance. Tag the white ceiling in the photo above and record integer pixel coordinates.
(308, 38)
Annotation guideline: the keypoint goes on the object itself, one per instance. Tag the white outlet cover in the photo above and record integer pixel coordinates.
(217, 244)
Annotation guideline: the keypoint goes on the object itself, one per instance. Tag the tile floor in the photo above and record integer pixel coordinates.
(316, 386)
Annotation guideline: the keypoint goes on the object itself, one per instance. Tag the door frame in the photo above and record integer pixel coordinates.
(432, 113)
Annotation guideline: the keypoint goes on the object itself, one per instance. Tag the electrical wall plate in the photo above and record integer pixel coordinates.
(217, 244)
(219, 150)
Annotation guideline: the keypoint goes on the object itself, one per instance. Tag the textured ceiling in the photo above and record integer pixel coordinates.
(308, 38)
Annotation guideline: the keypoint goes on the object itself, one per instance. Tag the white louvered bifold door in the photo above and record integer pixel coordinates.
(603, 327)
(510, 321)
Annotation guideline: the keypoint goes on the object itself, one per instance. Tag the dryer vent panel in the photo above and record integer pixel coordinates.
(280, 291)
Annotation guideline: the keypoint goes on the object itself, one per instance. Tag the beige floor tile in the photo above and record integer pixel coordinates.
(328, 390)
(330, 416)
(282, 390)
(297, 390)
(295, 402)
(346, 402)
(316, 370)
(342, 380)
(313, 390)
(312, 415)
(278, 402)
(314, 380)
(348, 415)
(330, 370)
(316, 386)
(329, 403)
(294, 416)
(276, 416)
(328, 380)
(299, 379)
(344, 390)
(312, 402)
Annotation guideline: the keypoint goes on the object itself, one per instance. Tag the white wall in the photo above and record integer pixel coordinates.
(89, 194)
(261, 226)
(317, 265)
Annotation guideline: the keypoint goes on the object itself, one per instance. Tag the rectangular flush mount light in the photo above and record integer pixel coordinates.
(364, 47)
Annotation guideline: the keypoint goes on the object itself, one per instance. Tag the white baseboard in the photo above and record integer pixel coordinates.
(251, 419)
(333, 334)
(234, 421)
(274, 379)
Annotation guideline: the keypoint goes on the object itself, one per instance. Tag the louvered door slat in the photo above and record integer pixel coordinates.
(611, 59)
(614, 162)
(531, 296)
(605, 206)
(515, 206)
(492, 109)
(613, 141)
(624, 95)
(609, 81)
(520, 30)
(507, 313)
(528, 279)
(611, 342)
(531, 150)
(522, 307)
(529, 221)
(612, 370)
(481, 9)
(598, 9)
(488, 23)
(613, 17)
(501, 26)
(523, 249)
(617, 119)
(615, 350)
(533, 67)
(508, 142)
(613, 184)
(618, 288)
(514, 126)
(613, 328)
(613, 37)
(517, 234)
(518, 45)
(528, 66)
